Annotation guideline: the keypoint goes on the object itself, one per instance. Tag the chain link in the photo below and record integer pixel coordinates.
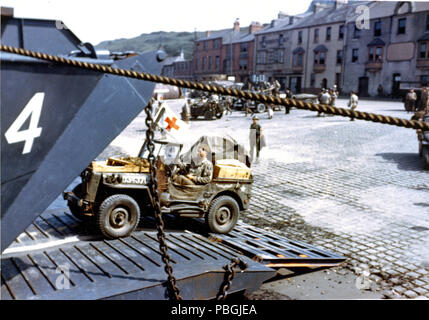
(156, 204)
(229, 276)
(224, 91)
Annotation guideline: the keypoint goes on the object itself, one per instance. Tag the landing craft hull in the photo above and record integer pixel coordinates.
(56, 119)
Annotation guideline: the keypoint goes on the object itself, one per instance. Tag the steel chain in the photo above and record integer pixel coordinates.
(224, 91)
(229, 276)
(156, 204)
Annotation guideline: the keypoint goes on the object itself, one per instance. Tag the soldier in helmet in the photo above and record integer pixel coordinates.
(185, 110)
(255, 139)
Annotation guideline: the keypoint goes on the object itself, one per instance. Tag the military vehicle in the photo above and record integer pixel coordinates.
(423, 137)
(114, 192)
(209, 108)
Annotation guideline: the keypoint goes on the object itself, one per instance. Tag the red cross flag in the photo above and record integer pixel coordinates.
(169, 122)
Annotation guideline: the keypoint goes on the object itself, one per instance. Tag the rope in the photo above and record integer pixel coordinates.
(269, 99)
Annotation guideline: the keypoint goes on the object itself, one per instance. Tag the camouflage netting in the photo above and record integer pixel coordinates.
(220, 148)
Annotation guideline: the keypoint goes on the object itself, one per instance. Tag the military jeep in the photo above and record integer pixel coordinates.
(115, 193)
(209, 108)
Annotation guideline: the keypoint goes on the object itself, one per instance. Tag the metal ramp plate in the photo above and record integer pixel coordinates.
(57, 258)
(276, 251)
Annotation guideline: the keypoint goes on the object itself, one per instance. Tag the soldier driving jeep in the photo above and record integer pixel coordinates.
(199, 172)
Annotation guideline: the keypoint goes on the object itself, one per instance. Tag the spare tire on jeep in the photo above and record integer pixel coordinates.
(118, 216)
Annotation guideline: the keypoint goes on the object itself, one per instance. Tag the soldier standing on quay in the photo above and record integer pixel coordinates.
(288, 96)
(353, 102)
(255, 139)
(324, 98)
(410, 101)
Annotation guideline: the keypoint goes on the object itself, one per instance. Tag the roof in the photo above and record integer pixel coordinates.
(320, 48)
(298, 50)
(377, 42)
(425, 36)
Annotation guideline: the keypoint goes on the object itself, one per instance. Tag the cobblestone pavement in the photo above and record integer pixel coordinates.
(354, 188)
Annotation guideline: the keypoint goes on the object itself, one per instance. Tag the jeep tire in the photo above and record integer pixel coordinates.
(222, 215)
(118, 216)
(261, 108)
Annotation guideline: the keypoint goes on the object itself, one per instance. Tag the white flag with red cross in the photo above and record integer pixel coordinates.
(169, 122)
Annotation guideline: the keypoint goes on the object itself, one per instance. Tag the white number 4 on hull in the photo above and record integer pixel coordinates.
(33, 109)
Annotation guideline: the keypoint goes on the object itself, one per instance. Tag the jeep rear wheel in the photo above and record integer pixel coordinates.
(118, 216)
(261, 108)
(223, 214)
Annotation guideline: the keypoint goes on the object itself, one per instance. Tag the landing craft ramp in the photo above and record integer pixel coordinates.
(58, 257)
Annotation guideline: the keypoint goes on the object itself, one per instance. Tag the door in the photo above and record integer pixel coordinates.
(363, 87)
(396, 79)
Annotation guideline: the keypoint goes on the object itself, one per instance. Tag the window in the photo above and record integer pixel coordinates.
(355, 55)
(299, 37)
(341, 32)
(401, 25)
(375, 54)
(423, 51)
(281, 39)
(356, 33)
(196, 64)
(377, 29)
(216, 44)
(328, 33)
(263, 42)
(339, 56)
(203, 64)
(424, 80)
(243, 47)
(210, 63)
(205, 45)
(217, 63)
(281, 56)
(319, 57)
(427, 22)
(243, 64)
(299, 59)
(261, 57)
(316, 35)
(312, 80)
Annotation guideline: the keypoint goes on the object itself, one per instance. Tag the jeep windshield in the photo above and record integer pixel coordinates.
(168, 150)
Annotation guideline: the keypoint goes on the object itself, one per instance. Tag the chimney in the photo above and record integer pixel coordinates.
(6, 12)
(236, 25)
(208, 33)
(282, 15)
(254, 27)
(340, 3)
(319, 7)
(291, 18)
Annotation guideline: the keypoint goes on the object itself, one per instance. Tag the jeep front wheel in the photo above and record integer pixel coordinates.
(223, 214)
(118, 216)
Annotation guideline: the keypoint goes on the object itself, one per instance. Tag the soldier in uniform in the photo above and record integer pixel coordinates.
(324, 98)
(353, 102)
(410, 101)
(255, 139)
(199, 173)
(247, 109)
(228, 103)
(185, 110)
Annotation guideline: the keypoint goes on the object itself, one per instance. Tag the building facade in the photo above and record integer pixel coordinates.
(390, 52)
